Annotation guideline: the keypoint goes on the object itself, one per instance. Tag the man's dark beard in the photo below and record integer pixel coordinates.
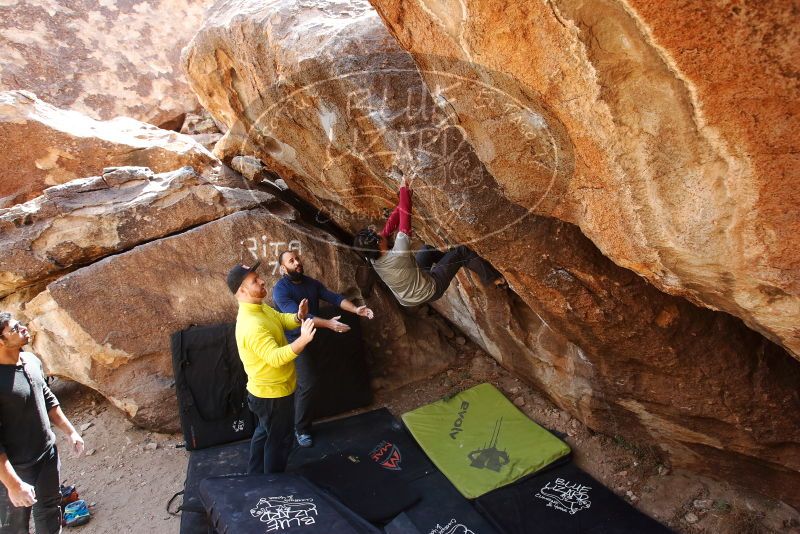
(294, 276)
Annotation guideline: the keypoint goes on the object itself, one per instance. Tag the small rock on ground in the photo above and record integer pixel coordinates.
(702, 504)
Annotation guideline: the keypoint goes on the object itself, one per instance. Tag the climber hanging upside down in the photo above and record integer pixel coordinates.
(424, 277)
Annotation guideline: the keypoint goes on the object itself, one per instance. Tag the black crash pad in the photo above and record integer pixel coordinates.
(361, 484)
(566, 500)
(401, 524)
(338, 360)
(443, 510)
(230, 459)
(195, 523)
(282, 503)
(376, 434)
(210, 385)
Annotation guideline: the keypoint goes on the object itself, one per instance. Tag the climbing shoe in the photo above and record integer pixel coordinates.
(304, 440)
(76, 513)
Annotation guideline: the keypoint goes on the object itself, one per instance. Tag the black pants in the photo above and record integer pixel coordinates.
(448, 263)
(272, 440)
(304, 394)
(43, 476)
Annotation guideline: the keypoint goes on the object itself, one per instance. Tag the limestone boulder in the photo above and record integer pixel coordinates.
(108, 325)
(321, 94)
(103, 59)
(46, 146)
(667, 132)
(84, 220)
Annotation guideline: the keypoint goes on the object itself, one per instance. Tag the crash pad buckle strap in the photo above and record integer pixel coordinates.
(178, 511)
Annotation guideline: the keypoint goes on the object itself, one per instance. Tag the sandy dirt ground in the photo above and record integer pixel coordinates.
(130, 474)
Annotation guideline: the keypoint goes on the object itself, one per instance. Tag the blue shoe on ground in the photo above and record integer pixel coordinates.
(304, 440)
(76, 513)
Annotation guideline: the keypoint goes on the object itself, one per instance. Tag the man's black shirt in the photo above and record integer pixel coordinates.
(25, 433)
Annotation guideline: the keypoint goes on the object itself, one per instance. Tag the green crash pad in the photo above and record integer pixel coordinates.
(481, 441)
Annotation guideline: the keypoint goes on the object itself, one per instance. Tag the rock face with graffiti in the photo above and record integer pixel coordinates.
(583, 165)
(175, 273)
(630, 167)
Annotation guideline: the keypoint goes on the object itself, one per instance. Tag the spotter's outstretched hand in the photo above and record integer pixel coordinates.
(307, 331)
(363, 311)
(302, 310)
(337, 326)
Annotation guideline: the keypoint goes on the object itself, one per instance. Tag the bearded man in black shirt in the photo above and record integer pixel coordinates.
(29, 462)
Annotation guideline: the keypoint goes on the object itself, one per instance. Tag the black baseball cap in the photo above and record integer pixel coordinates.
(237, 275)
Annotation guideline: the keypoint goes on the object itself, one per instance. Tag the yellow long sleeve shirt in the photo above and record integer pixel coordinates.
(267, 357)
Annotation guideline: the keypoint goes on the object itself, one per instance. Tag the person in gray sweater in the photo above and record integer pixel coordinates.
(423, 277)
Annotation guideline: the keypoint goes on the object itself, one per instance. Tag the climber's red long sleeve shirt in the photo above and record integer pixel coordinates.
(400, 219)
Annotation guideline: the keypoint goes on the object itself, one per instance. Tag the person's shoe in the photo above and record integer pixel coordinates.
(76, 513)
(304, 440)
